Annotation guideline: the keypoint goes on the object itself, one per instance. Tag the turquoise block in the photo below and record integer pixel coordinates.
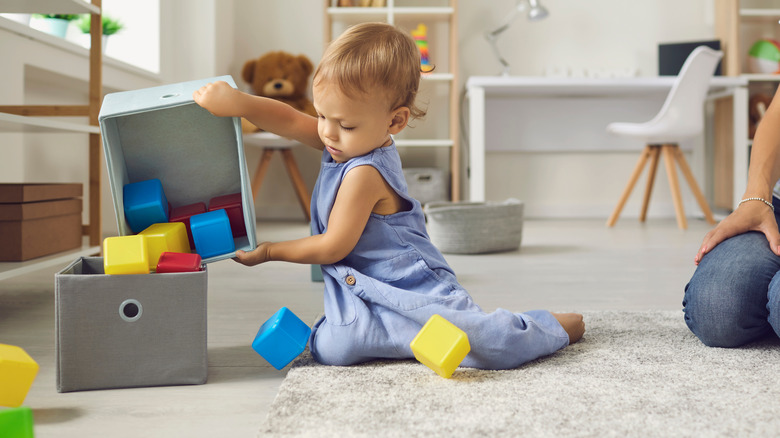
(144, 204)
(211, 234)
(282, 338)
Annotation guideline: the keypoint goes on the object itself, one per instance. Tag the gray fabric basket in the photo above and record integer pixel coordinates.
(426, 184)
(475, 227)
(102, 341)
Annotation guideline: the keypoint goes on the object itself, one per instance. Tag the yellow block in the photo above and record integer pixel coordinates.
(441, 346)
(17, 372)
(125, 255)
(165, 237)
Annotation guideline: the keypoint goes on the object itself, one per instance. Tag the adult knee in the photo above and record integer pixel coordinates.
(718, 318)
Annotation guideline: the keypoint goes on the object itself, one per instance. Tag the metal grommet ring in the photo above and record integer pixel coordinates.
(130, 310)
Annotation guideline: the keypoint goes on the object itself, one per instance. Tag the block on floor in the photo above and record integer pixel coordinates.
(16, 422)
(17, 372)
(441, 346)
(281, 338)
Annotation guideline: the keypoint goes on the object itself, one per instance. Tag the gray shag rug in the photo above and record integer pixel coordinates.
(632, 374)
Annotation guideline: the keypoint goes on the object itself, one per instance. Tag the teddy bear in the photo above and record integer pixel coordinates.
(281, 76)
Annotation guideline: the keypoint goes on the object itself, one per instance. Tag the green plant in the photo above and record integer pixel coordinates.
(69, 17)
(110, 25)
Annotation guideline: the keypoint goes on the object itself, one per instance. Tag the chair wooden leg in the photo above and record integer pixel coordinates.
(655, 153)
(674, 185)
(262, 168)
(686, 171)
(300, 187)
(630, 186)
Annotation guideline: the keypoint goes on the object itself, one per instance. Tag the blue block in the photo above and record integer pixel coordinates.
(145, 204)
(211, 234)
(282, 338)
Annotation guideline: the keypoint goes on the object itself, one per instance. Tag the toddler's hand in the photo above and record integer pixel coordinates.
(254, 257)
(573, 324)
(219, 98)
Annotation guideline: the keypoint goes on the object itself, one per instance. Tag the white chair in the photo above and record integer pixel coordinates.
(271, 143)
(680, 118)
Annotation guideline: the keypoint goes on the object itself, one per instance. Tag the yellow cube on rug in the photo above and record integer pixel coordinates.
(17, 372)
(441, 346)
(165, 237)
(125, 255)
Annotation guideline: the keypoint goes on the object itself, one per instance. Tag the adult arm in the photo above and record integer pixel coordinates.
(764, 171)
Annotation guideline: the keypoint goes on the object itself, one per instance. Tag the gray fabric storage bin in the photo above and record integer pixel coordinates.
(475, 227)
(426, 184)
(120, 331)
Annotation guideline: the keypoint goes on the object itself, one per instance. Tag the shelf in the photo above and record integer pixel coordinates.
(438, 77)
(423, 143)
(48, 7)
(760, 13)
(61, 259)
(13, 123)
(759, 77)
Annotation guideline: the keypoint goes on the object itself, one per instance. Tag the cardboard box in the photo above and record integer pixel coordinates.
(162, 133)
(121, 331)
(38, 220)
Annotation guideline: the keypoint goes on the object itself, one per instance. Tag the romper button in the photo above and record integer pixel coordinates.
(350, 280)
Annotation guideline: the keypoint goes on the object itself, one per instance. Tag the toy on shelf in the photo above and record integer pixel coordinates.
(144, 204)
(184, 213)
(764, 57)
(420, 36)
(281, 338)
(16, 422)
(212, 234)
(17, 372)
(441, 346)
(167, 237)
(234, 209)
(178, 262)
(757, 105)
(125, 255)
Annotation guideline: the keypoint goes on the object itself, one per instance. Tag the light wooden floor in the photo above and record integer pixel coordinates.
(575, 265)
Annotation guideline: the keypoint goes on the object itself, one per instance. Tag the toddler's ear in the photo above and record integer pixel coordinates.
(400, 120)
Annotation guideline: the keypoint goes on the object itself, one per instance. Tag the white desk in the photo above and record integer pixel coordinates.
(483, 88)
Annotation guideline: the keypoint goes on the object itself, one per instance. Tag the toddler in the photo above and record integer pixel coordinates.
(383, 276)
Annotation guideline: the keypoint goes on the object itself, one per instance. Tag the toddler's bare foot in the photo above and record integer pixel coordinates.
(573, 324)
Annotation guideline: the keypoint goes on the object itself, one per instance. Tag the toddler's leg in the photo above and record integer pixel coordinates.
(725, 303)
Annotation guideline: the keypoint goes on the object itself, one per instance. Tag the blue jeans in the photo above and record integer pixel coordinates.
(734, 296)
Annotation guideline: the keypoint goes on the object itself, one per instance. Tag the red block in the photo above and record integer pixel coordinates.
(178, 262)
(235, 211)
(184, 213)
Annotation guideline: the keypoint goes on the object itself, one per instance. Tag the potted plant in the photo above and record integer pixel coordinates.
(53, 24)
(110, 27)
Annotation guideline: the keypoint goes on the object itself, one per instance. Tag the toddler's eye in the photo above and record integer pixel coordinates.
(347, 128)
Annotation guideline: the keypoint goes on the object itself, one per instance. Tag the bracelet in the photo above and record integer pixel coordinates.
(757, 199)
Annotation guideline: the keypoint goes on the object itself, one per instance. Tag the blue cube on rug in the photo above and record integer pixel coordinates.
(212, 234)
(144, 204)
(282, 338)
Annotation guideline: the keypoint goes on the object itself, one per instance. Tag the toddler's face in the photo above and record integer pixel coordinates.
(350, 127)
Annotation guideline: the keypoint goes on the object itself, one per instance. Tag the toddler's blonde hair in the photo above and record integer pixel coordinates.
(374, 55)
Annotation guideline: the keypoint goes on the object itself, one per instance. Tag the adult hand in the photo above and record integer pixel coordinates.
(750, 216)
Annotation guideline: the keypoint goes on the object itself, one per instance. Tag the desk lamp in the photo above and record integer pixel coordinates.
(535, 12)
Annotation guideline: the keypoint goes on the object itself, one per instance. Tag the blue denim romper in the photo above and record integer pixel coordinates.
(380, 295)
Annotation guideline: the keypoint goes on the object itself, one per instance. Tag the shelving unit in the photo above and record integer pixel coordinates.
(738, 24)
(36, 119)
(440, 16)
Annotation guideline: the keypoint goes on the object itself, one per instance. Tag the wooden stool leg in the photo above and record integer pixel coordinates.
(654, 155)
(674, 185)
(298, 184)
(686, 171)
(262, 168)
(630, 186)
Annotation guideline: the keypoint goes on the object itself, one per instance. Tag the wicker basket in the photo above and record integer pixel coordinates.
(475, 227)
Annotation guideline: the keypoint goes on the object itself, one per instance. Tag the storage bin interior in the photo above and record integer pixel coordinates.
(162, 133)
